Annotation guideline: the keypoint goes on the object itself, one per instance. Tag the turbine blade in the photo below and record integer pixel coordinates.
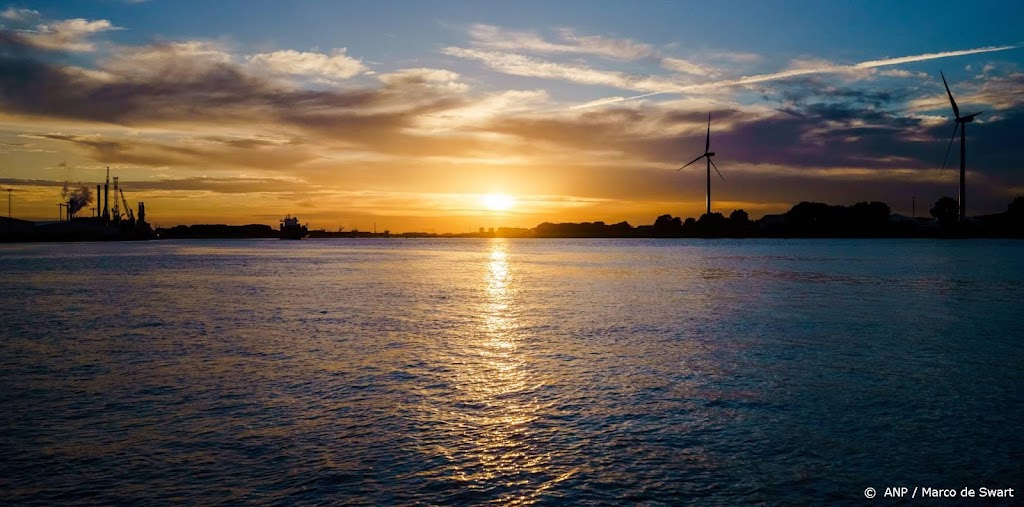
(707, 144)
(955, 127)
(690, 162)
(716, 169)
(956, 110)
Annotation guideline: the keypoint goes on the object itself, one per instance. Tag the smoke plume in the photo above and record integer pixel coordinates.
(77, 198)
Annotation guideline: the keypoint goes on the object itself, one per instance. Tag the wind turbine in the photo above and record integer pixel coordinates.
(961, 124)
(707, 154)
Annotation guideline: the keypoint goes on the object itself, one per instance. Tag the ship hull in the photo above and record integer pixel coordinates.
(285, 234)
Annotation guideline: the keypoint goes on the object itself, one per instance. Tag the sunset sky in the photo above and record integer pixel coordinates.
(420, 116)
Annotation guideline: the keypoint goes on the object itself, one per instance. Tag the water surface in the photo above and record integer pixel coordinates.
(508, 371)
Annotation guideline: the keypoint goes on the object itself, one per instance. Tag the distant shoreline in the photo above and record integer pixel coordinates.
(806, 220)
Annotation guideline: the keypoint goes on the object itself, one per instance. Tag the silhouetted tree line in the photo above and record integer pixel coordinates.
(738, 224)
(807, 219)
(816, 218)
(946, 211)
(1010, 221)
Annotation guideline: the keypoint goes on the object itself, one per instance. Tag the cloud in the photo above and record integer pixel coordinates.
(195, 82)
(335, 67)
(247, 153)
(239, 185)
(167, 61)
(521, 65)
(492, 37)
(624, 49)
(903, 73)
(188, 114)
(485, 109)
(67, 35)
(832, 127)
(199, 86)
(804, 68)
(435, 78)
(687, 67)
(19, 15)
(822, 67)
(1000, 93)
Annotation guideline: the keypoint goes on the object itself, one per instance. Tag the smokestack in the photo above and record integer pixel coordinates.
(117, 207)
(142, 213)
(106, 198)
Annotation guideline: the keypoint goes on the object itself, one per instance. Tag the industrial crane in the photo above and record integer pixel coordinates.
(127, 208)
(115, 214)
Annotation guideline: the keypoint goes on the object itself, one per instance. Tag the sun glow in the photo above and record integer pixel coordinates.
(497, 202)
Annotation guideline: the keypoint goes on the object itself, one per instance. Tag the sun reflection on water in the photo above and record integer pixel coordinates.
(496, 400)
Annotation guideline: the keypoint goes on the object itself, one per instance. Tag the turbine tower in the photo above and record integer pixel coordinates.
(961, 124)
(707, 154)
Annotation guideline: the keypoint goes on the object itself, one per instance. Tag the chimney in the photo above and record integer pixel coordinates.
(98, 210)
(106, 198)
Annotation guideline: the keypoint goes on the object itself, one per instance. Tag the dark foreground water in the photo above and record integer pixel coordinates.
(508, 371)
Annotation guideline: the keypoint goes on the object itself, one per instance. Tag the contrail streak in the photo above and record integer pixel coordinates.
(612, 100)
(828, 69)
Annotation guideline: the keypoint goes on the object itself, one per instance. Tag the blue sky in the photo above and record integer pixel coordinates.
(360, 112)
(388, 29)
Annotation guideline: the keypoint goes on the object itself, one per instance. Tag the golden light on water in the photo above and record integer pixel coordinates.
(494, 382)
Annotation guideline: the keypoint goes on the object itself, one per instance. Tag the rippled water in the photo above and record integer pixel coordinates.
(508, 371)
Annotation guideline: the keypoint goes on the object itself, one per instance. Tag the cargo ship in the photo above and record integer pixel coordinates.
(292, 229)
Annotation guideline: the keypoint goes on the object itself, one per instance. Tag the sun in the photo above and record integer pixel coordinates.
(497, 202)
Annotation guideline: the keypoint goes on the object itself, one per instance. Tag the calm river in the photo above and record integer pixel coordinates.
(547, 372)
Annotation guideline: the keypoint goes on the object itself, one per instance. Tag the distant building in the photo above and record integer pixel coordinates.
(514, 232)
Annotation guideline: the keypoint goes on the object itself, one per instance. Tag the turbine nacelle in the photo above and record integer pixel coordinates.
(969, 118)
(710, 154)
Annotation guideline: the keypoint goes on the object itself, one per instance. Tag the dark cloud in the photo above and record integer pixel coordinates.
(223, 185)
(809, 135)
(198, 184)
(166, 85)
(220, 152)
(802, 90)
(173, 84)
